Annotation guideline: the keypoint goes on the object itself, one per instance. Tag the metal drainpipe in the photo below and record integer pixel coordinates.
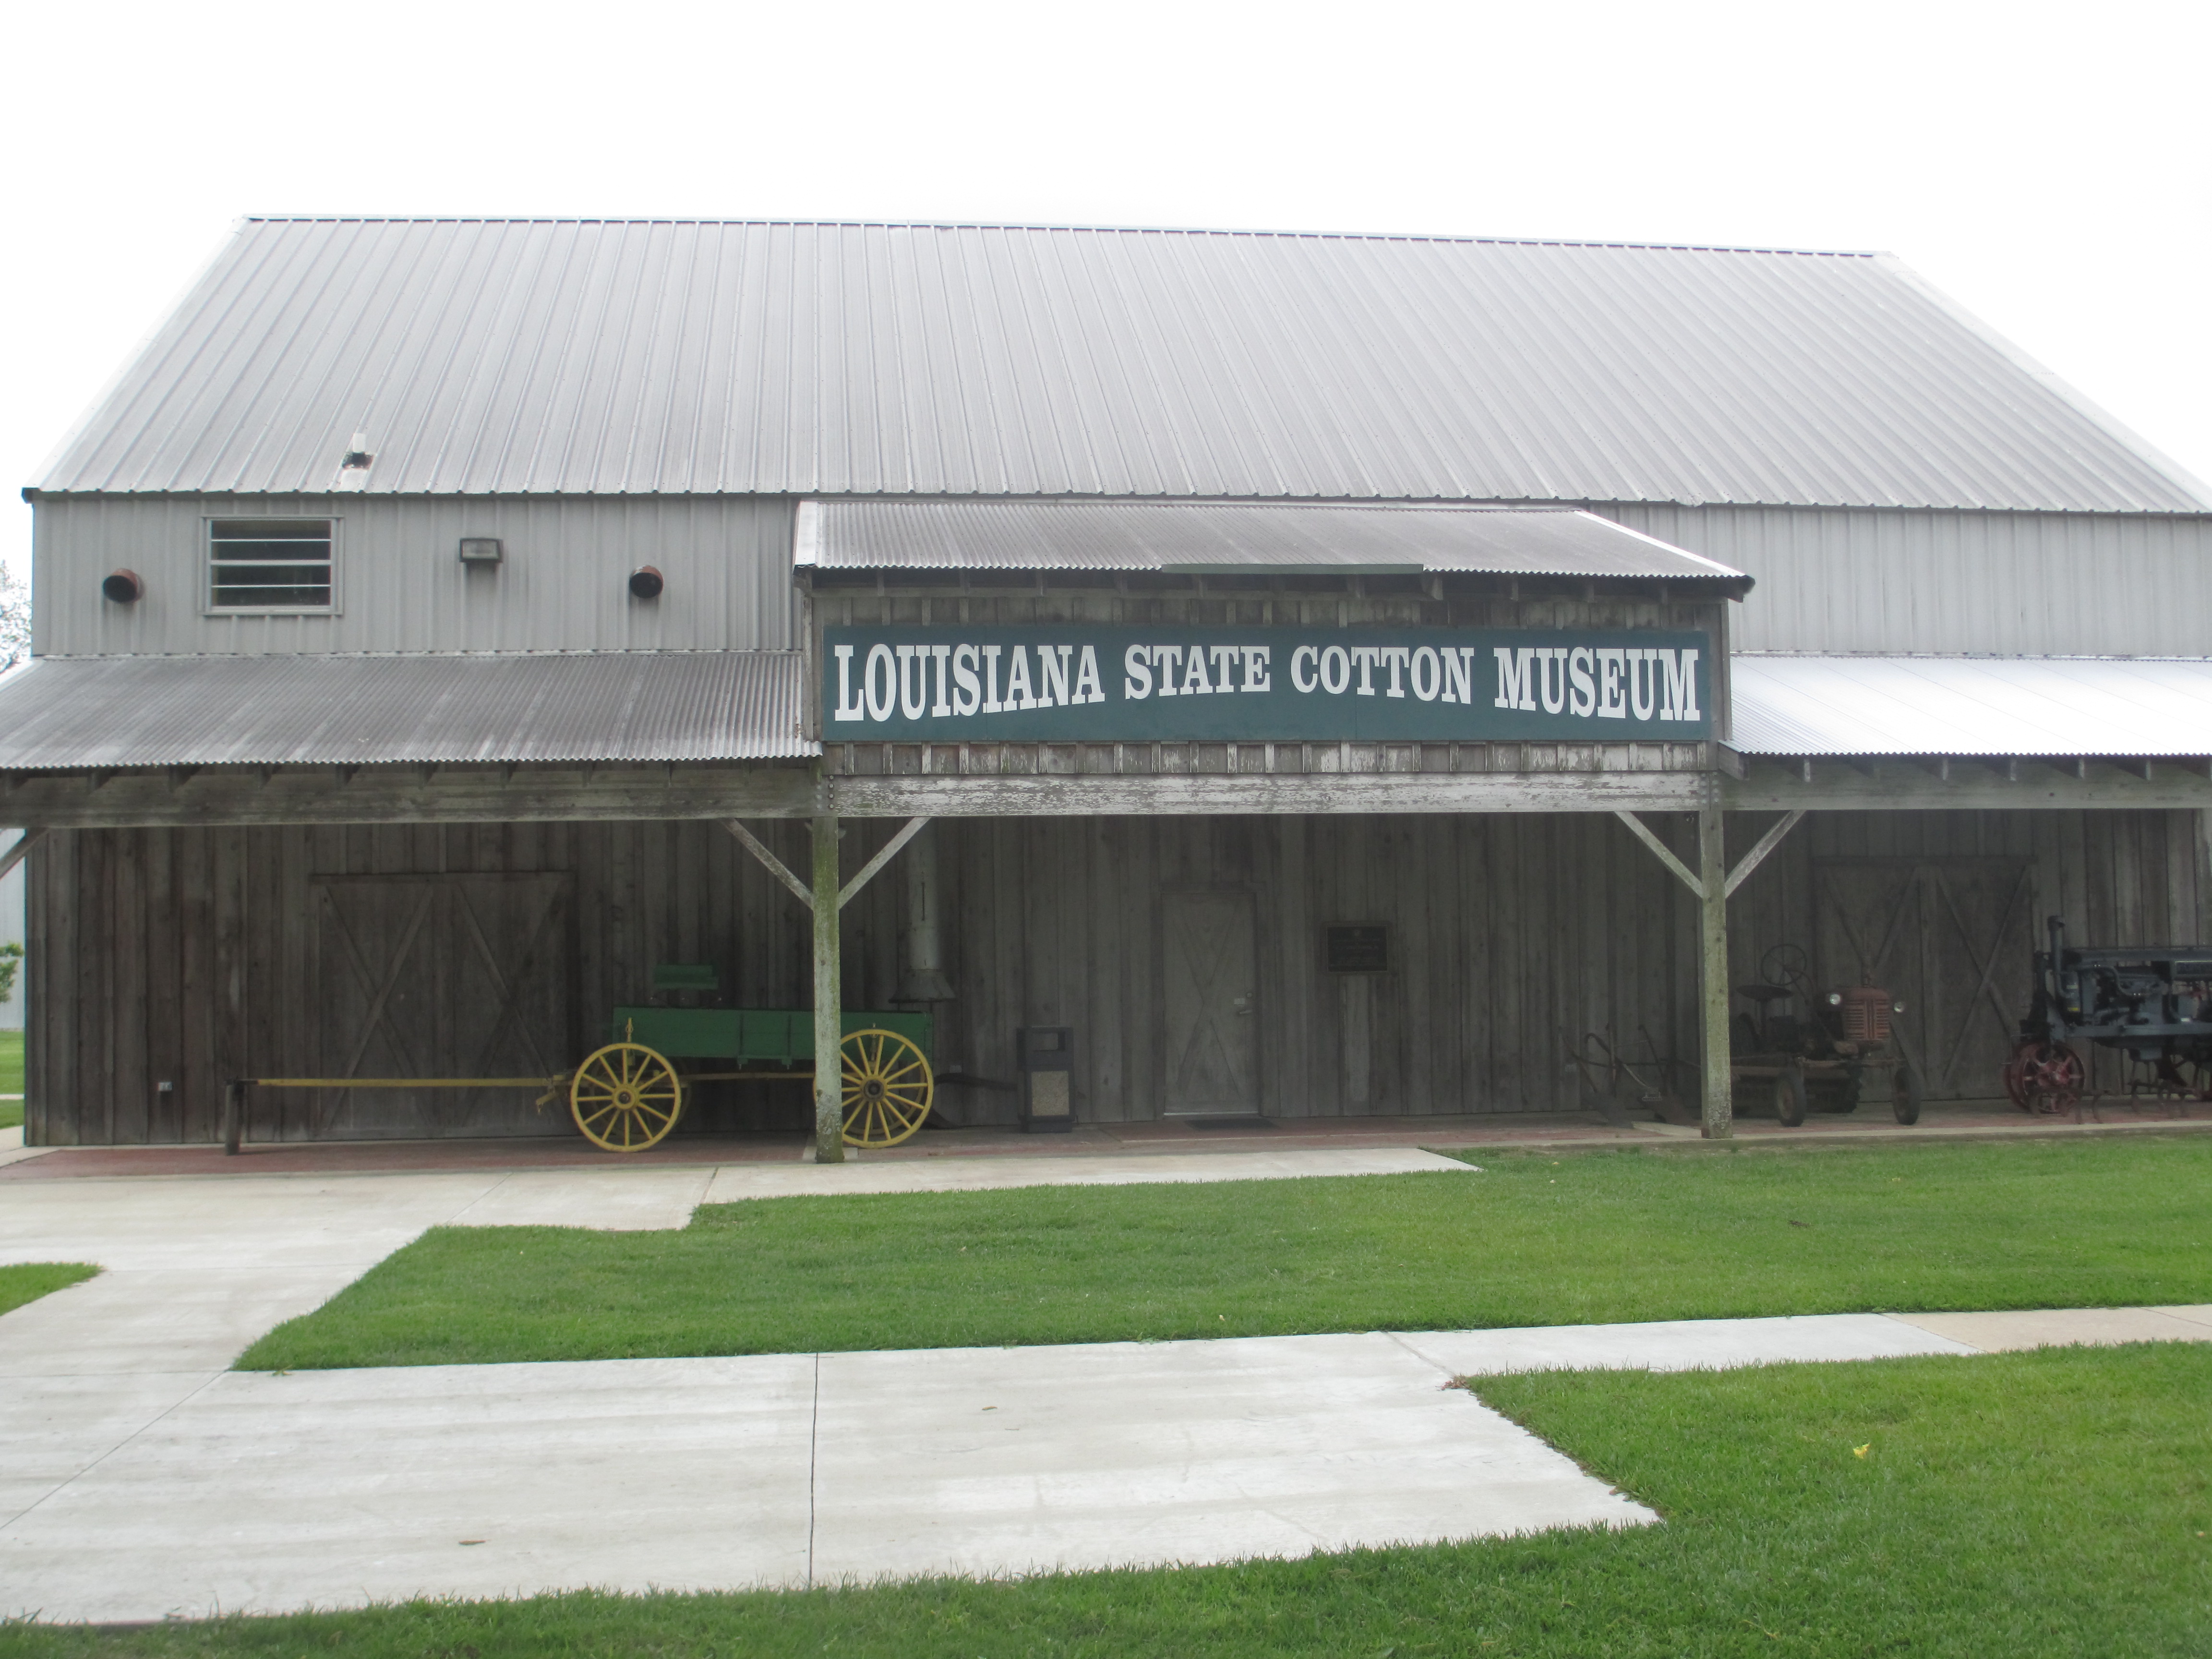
(925, 978)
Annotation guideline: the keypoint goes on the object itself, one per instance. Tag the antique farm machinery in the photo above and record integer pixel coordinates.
(1825, 1057)
(2150, 1003)
(628, 1095)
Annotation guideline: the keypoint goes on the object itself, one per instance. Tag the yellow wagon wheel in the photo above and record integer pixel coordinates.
(626, 1097)
(888, 1088)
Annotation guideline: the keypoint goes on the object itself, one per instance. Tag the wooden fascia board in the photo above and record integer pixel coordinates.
(1230, 794)
(490, 795)
(1917, 784)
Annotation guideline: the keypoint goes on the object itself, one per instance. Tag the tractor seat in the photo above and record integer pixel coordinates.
(1762, 994)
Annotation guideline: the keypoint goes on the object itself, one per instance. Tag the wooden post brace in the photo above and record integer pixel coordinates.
(850, 890)
(24, 844)
(1736, 878)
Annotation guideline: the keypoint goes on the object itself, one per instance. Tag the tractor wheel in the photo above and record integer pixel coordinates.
(1905, 1094)
(2051, 1076)
(1789, 1096)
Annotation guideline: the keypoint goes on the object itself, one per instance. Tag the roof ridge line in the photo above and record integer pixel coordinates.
(1625, 244)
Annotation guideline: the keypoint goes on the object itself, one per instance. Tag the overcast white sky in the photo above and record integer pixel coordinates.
(2050, 167)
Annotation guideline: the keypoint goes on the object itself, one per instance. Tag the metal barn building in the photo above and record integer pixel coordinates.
(1323, 675)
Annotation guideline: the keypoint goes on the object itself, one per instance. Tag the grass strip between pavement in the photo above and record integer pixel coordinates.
(1532, 1240)
(27, 1281)
(2053, 1503)
(11, 1078)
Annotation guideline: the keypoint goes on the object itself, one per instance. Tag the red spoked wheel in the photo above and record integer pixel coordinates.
(2045, 1076)
(2184, 1079)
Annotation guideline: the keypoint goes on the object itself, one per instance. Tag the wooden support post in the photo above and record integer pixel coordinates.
(233, 1115)
(2203, 873)
(1713, 972)
(829, 1000)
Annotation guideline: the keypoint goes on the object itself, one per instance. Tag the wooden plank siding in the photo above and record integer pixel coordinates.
(190, 954)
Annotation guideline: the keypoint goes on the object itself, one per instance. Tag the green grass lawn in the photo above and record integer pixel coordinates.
(1532, 1240)
(2025, 1504)
(28, 1281)
(11, 1078)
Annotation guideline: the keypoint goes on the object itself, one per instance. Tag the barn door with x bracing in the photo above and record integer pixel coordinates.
(1211, 981)
(444, 977)
(1948, 936)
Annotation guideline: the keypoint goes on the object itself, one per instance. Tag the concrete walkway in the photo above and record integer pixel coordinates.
(140, 1479)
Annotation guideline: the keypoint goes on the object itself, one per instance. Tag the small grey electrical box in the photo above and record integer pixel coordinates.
(481, 550)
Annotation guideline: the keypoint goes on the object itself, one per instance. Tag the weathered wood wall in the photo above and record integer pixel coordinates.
(191, 955)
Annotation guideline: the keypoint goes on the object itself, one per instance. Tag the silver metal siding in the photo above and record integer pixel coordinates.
(2007, 583)
(580, 357)
(562, 586)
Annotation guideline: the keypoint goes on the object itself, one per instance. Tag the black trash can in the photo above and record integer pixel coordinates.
(1046, 1056)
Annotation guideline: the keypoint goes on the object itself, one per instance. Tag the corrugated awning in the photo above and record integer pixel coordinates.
(2028, 706)
(1240, 539)
(74, 712)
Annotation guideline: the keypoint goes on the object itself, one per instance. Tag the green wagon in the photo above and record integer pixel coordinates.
(628, 1095)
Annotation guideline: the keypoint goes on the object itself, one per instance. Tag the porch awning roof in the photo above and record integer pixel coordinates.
(1240, 538)
(68, 714)
(2130, 706)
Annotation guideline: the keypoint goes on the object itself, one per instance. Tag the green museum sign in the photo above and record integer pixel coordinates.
(1132, 684)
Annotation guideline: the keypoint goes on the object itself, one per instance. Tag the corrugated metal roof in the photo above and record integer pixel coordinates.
(2063, 706)
(1201, 536)
(67, 713)
(579, 356)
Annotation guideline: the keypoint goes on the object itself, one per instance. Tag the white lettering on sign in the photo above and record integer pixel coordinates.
(1601, 682)
(1165, 658)
(1427, 671)
(1365, 655)
(1612, 683)
(1394, 659)
(879, 708)
(940, 655)
(1679, 701)
(846, 708)
(1514, 690)
(1052, 675)
(1459, 674)
(1555, 700)
(1583, 692)
(881, 682)
(1017, 680)
(1087, 687)
(967, 690)
(991, 703)
(1137, 664)
(1194, 682)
